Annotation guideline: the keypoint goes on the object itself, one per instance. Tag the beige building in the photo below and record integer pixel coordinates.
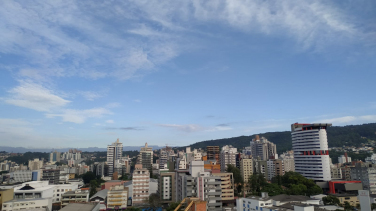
(140, 183)
(352, 199)
(117, 197)
(227, 185)
(35, 164)
(6, 195)
(246, 168)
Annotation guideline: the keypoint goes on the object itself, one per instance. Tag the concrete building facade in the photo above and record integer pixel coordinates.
(311, 154)
(227, 156)
(114, 152)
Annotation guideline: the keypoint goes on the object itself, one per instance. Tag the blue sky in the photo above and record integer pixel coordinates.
(82, 74)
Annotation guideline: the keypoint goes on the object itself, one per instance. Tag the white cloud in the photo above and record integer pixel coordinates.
(184, 128)
(80, 116)
(110, 121)
(89, 95)
(137, 100)
(346, 120)
(36, 97)
(131, 38)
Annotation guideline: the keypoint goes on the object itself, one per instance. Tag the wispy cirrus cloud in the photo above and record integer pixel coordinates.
(185, 128)
(132, 38)
(195, 128)
(125, 128)
(346, 120)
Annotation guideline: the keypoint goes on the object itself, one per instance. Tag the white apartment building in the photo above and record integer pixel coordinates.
(227, 156)
(346, 159)
(28, 204)
(114, 152)
(140, 184)
(288, 161)
(21, 176)
(311, 154)
(263, 149)
(41, 189)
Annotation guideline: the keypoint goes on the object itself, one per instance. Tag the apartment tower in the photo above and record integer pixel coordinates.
(310, 146)
(228, 156)
(114, 152)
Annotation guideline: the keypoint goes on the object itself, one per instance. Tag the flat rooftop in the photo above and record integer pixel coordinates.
(79, 207)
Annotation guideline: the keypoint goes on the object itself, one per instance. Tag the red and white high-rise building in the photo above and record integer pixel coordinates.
(311, 154)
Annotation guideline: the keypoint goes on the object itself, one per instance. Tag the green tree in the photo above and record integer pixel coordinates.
(330, 200)
(93, 187)
(373, 206)
(88, 176)
(255, 183)
(154, 202)
(172, 206)
(238, 179)
(272, 189)
(347, 206)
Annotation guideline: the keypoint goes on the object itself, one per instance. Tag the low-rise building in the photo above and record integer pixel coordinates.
(6, 195)
(42, 204)
(74, 197)
(100, 197)
(88, 206)
(21, 176)
(117, 197)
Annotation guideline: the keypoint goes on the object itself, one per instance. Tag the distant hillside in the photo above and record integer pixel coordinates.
(351, 135)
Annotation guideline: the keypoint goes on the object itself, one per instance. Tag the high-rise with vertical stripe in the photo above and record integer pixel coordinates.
(311, 155)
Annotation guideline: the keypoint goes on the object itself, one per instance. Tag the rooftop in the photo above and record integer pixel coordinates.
(287, 198)
(80, 207)
(101, 194)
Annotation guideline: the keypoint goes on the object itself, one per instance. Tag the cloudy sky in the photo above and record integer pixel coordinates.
(84, 73)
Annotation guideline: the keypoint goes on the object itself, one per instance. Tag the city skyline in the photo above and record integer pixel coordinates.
(82, 74)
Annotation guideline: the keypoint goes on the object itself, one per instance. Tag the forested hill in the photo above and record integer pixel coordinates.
(351, 135)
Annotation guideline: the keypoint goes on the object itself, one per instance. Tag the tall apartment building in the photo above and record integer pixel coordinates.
(213, 153)
(261, 167)
(366, 173)
(140, 183)
(227, 185)
(55, 156)
(288, 161)
(114, 152)
(246, 168)
(146, 157)
(166, 187)
(275, 167)
(205, 187)
(263, 149)
(227, 156)
(311, 154)
(117, 197)
(35, 164)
